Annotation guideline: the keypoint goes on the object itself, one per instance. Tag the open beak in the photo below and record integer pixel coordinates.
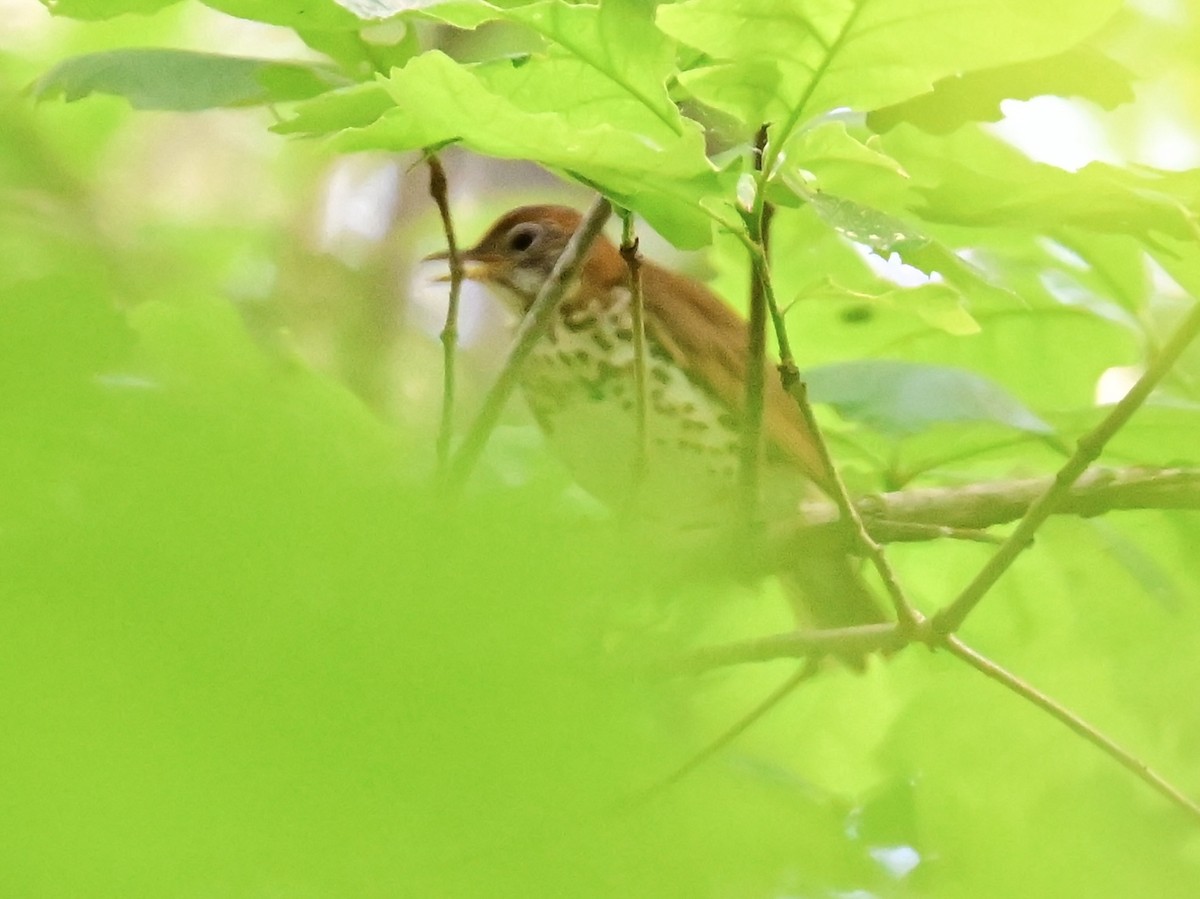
(473, 269)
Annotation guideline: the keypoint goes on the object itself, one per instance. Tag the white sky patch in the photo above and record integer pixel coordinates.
(1063, 254)
(1115, 382)
(898, 861)
(1167, 10)
(895, 269)
(358, 203)
(1055, 131)
(1166, 144)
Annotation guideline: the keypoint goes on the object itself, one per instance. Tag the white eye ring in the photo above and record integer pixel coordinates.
(522, 237)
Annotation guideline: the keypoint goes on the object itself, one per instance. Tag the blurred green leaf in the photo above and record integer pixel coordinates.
(829, 159)
(935, 303)
(974, 179)
(905, 398)
(103, 9)
(336, 110)
(976, 96)
(300, 14)
(184, 80)
(771, 62)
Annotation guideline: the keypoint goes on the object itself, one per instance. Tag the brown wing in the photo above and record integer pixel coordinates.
(708, 340)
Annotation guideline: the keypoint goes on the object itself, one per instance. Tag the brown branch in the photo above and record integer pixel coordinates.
(929, 513)
(951, 618)
(530, 330)
(449, 335)
(890, 638)
(633, 262)
(848, 642)
(1064, 715)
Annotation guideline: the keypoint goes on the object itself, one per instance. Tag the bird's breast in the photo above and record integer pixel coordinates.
(580, 384)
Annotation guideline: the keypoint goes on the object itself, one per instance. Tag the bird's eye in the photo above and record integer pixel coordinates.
(522, 238)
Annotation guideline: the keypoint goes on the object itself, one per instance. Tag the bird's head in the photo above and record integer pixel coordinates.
(518, 252)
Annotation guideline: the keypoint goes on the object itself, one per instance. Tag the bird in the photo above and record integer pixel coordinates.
(579, 383)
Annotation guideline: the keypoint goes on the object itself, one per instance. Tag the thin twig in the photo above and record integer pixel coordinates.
(847, 642)
(1139, 768)
(449, 335)
(1088, 449)
(757, 220)
(633, 262)
(789, 374)
(530, 330)
(776, 696)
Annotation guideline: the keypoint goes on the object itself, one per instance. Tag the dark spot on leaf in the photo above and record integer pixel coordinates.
(857, 314)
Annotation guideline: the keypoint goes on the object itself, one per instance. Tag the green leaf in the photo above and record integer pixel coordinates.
(300, 14)
(777, 61)
(976, 96)
(936, 303)
(104, 9)
(886, 234)
(438, 101)
(974, 179)
(184, 80)
(1099, 197)
(905, 398)
(831, 158)
(338, 110)
(619, 40)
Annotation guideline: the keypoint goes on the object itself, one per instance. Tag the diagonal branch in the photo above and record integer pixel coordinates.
(1088, 449)
(531, 329)
(805, 672)
(1064, 715)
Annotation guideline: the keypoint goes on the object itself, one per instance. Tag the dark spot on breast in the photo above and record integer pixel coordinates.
(661, 375)
(624, 333)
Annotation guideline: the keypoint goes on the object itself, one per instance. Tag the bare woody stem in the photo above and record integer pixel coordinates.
(803, 673)
(1065, 716)
(758, 224)
(449, 335)
(857, 641)
(531, 329)
(790, 376)
(1088, 449)
(633, 262)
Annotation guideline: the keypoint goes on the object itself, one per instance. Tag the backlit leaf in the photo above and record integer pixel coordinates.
(184, 80)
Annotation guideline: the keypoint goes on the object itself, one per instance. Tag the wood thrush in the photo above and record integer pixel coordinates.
(579, 383)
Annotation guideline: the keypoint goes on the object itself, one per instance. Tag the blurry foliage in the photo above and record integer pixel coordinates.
(245, 652)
